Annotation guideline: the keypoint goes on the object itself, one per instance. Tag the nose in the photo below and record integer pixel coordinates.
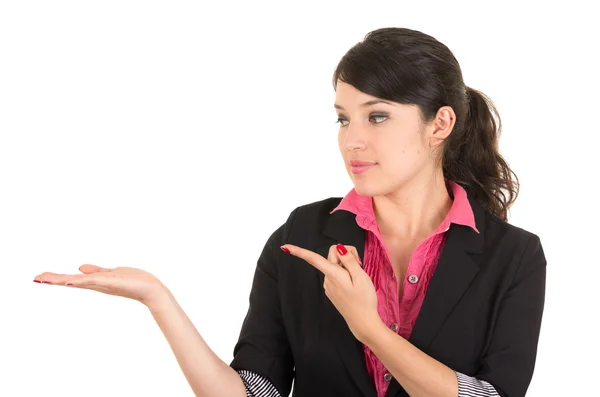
(353, 138)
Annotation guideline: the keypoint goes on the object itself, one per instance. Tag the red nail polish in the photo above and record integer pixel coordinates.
(284, 249)
(37, 281)
(68, 284)
(46, 282)
(341, 249)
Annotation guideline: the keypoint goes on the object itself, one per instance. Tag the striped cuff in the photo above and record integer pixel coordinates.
(257, 385)
(469, 387)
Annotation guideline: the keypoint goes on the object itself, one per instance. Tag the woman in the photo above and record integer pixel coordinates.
(412, 284)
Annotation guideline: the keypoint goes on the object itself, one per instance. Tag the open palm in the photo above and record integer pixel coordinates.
(128, 282)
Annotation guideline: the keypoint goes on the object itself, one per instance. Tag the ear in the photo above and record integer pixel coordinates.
(441, 126)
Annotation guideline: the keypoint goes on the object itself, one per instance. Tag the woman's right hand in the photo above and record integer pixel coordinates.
(128, 282)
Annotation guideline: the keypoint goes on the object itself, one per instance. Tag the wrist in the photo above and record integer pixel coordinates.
(371, 330)
(158, 299)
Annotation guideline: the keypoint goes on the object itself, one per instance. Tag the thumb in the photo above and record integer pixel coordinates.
(87, 269)
(356, 256)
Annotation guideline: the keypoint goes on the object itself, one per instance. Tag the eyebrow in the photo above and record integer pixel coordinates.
(368, 103)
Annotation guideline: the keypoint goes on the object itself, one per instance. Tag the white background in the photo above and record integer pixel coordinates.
(155, 134)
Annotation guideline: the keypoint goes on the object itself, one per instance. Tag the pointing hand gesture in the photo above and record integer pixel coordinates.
(346, 284)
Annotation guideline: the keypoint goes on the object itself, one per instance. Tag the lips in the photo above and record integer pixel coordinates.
(361, 168)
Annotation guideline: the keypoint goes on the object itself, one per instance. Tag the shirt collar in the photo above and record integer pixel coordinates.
(460, 213)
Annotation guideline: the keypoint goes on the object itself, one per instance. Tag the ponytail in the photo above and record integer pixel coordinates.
(472, 159)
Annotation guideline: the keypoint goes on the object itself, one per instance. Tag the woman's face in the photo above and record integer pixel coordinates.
(389, 134)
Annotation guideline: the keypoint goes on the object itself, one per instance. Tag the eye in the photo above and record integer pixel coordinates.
(378, 118)
(374, 118)
(343, 122)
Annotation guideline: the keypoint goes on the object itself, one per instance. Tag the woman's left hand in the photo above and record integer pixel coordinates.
(347, 286)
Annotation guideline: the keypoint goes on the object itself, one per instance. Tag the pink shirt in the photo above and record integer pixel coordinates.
(400, 313)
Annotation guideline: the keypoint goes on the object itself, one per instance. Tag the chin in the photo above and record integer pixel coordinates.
(371, 187)
(363, 188)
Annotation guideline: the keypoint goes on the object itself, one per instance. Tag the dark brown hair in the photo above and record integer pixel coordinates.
(411, 67)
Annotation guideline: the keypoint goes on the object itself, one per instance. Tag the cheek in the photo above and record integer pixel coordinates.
(405, 152)
(403, 145)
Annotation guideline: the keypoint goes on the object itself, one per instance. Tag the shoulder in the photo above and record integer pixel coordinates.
(305, 217)
(318, 207)
(316, 211)
(496, 228)
(521, 247)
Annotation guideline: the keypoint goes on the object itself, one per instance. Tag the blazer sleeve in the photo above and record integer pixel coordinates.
(509, 362)
(263, 346)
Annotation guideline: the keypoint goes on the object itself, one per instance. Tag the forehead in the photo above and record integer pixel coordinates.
(348, 93)
(348, 97)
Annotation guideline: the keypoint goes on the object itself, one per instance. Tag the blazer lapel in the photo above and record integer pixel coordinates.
(341, 227)
(455, 270)
(457, 267)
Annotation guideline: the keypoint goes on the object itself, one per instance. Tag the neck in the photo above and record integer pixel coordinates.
(414, 210)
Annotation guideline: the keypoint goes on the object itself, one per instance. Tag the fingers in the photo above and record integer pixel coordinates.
(316, 260)
(333, 255)
(355, 253)
(327, 266)
(92, 281)
(79, 279)
(349, 258)
(95, 281)
(87, 269)
(58, 279)
(51, 278)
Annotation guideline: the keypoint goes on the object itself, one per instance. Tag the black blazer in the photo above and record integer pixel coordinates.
(481, 315)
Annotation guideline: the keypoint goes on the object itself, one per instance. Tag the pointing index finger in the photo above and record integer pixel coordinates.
(316, 260)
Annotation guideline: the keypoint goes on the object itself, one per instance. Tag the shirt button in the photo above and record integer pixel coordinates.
(387, 377)
(413, 278)
(394, 327)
